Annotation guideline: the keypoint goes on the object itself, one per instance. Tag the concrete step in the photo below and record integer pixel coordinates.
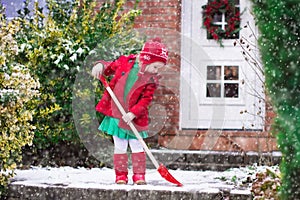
(205, 175)
(68, 183)
(23, 192)
(213, 160)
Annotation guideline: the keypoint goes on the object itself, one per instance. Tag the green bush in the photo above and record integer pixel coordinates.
(17, 89)
(55, 46)
(279, 24)
(52, 50)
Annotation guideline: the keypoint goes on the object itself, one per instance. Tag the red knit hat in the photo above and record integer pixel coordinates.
(153, 51)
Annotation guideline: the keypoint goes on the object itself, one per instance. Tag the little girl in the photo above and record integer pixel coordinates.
(134, 80)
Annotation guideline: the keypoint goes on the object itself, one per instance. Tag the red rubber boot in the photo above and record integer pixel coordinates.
(139, 168)
(121, 168)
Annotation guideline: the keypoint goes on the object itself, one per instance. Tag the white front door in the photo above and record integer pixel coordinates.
(219, 89)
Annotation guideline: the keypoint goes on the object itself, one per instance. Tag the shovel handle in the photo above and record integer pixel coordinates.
(134, 130)
(103, 81)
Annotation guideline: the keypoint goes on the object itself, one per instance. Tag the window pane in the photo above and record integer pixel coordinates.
(213, 90)
(213, 72)
(231, 73)
(231, 90)
(217, 17)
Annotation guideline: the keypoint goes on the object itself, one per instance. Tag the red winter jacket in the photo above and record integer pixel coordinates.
(138, 98)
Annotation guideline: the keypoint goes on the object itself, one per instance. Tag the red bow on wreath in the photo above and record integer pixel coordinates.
(232, 17)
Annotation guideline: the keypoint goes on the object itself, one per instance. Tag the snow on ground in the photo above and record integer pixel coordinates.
(232, 179)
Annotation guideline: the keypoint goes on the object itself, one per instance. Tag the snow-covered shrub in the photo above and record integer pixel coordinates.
(279, 24)
(17, 89)
(54, 48)
(266, 185)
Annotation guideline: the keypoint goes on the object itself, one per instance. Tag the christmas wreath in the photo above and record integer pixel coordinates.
(215, 8)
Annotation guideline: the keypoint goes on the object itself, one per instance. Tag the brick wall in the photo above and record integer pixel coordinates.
(159, 14)
(162, 18)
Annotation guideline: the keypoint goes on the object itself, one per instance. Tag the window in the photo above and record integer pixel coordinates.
(222, 82)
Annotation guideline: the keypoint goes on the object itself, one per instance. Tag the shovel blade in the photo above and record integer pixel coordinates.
(166, 175)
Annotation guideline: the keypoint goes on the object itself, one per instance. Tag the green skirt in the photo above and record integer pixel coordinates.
(110, 126)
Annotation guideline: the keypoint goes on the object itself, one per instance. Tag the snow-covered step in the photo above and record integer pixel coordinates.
(63, 193)
(81, 183)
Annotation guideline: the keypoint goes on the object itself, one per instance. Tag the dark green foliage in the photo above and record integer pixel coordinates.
(279, 23)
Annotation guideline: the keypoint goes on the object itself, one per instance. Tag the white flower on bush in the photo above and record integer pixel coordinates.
(7, 41)
(92, 52)
(23, 47)
(66, 67)
(6, 76)
(73, 57)
(19, 84)
(80, 51)
(59, 58)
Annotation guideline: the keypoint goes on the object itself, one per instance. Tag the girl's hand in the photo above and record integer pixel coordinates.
(97, 70)
(128, 117)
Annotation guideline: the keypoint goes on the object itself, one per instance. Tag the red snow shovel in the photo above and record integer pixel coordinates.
(160, 168)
